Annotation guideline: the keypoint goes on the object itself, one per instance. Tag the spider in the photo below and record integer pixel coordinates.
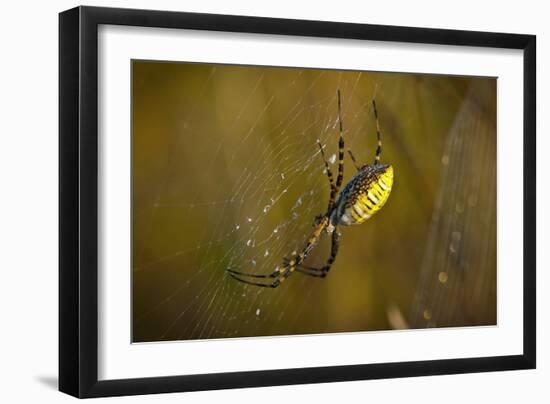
(361, 197)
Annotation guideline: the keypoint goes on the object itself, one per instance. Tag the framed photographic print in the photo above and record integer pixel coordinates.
(250, 201)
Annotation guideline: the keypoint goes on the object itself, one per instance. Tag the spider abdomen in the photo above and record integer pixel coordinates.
(364, 195)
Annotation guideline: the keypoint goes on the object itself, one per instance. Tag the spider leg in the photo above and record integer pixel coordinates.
(274, 274)
(357, 166)
(278, 276)
(315, 274)
(273, 284)
(341, 146)
(289, 265)
(327, 168)
(323, 271)
(378, 135)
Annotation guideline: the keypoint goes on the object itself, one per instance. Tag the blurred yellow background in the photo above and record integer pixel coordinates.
(227, 173)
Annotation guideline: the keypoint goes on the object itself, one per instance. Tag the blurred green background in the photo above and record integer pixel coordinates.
(227, 173)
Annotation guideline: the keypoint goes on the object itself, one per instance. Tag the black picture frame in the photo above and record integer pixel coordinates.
(78, 200)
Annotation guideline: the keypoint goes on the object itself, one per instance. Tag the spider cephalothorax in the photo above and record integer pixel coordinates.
(362, 197)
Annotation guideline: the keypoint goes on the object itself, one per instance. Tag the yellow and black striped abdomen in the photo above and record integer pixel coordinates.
(364, 195)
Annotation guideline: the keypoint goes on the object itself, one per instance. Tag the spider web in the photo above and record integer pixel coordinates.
(227, 174)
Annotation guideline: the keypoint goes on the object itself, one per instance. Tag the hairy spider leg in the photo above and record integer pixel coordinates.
(327, 168)
(323, 271)
(281, 273)
(357, 166)
(341, 146)
(378, 136)
(379, 139)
